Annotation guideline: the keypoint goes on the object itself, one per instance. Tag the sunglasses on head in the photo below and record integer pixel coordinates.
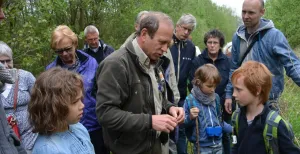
(61, 51)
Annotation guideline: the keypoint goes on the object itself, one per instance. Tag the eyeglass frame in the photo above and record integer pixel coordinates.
(186, 29)
(61, 51)
(212, 42)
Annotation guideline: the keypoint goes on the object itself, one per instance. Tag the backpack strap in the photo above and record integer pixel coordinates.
(260, 35)
(271, 131)
(218, 107)
(235, 120)
(189, 130)
(191, 101)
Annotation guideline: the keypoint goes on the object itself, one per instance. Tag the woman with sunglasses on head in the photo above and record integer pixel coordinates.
(64, 42)
(15, 98)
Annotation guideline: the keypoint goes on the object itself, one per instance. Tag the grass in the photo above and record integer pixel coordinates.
(289, 104)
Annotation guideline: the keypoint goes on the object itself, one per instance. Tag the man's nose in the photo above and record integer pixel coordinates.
(165, 48)
(186, 32)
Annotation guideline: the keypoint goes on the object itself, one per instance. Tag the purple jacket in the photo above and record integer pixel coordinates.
(87, 69)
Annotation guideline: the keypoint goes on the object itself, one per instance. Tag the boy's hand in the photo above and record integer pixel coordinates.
(194, 113)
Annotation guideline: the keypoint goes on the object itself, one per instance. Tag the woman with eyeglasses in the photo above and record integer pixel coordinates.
(64, 43)
(15, 98)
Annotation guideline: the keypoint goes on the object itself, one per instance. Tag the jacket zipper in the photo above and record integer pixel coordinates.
(211, 121)
(178, 64)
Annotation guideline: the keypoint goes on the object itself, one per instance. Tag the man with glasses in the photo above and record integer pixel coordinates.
(212, 54)
(183, 52)
(94, 46)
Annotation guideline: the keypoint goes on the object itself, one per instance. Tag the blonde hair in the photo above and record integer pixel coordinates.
(61, 32)
(207, 72)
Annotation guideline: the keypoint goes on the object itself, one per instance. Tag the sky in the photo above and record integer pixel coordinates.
(236, 5)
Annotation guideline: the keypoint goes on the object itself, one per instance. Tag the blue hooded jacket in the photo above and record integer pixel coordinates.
(87, 69)
(272, 50)
(209, 116)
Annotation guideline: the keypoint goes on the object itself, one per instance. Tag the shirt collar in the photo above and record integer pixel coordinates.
(143, 58)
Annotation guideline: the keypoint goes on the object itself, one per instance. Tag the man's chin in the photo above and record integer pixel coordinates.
(93, 47)
(184, 38)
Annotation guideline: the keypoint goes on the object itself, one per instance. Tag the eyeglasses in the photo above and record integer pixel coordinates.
(186, 29)
(5, 61)
(61, 51)
(93, 39)
(212, 42)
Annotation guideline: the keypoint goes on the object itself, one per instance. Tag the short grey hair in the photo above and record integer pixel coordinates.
(139, 16)
(151, 22)
(90, 29)
(5, 50)
(187, 19)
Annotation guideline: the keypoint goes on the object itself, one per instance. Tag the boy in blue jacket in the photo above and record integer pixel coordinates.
(202, 112)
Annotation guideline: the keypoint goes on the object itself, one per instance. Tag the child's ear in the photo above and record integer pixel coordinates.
(198, 82)
(258, 92)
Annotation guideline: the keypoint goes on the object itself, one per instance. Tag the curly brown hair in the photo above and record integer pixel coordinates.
(215, 33)
(51, 95)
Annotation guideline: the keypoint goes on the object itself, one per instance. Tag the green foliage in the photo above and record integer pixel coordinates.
(285, 15)
(289, 105)
(27, 29)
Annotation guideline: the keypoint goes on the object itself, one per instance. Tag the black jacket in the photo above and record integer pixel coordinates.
(103, 51)
(250, 138)
(125, 103)
(187, 54)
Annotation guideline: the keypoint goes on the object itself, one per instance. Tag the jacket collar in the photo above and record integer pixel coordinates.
(86, 46)
(264, 24)
(81, 56)
(262, 116)
(129, 47)
(221, 55)
(177, 42)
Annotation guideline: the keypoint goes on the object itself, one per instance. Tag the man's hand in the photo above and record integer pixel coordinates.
(228, 104)
(194, 113)
(178, 113)
(165, 123)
